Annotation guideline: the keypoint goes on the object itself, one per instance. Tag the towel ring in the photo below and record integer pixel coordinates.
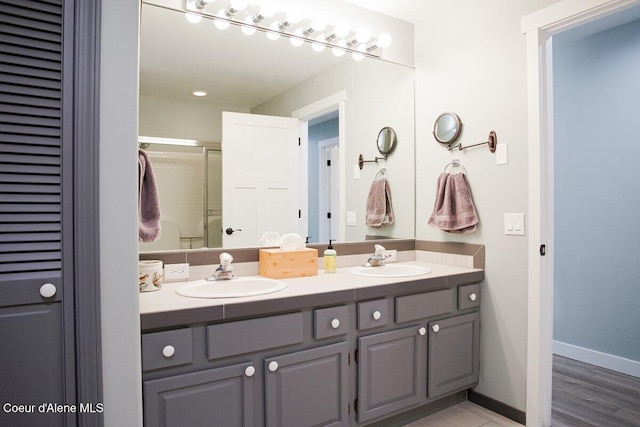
(455, 164)
(382, 173)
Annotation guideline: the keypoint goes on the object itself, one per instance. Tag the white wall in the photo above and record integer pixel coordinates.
(470, 59)
(379, 94)
(120, 317)
(172, 118)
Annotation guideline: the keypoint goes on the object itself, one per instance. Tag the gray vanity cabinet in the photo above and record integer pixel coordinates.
(221, 397)
(453, 354)
(391, 371)
(308, 388)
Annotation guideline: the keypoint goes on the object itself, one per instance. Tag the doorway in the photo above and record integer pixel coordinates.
(540, 27)
(323, 182)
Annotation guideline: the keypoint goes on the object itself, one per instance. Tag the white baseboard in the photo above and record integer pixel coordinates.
(603, 360)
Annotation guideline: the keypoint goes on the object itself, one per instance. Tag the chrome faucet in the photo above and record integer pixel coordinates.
(224, 270)
(377, 259)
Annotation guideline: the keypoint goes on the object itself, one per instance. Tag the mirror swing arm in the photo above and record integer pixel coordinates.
(492, 142)
(362, 161)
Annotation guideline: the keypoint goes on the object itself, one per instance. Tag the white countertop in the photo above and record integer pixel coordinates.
(166, 299)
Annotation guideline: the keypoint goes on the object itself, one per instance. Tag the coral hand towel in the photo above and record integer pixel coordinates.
(454, 210)
(148, 202)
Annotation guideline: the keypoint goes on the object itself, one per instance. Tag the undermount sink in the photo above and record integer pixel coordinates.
(391, 270)
(234, 288)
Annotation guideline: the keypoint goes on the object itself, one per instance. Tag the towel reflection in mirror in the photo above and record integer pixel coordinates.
(379, 209)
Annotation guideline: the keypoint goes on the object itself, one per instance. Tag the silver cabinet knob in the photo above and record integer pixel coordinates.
(168, 351)
(273, 366)
(422, 330)
(335, 323)
(249, 371)
(376, 315)
(435, 328)
(473, 297)
(48, 290)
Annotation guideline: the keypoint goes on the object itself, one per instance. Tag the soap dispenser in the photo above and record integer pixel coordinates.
(330, 259)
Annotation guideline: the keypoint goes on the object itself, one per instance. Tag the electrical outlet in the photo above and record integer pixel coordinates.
(390, 255)
(176, 271)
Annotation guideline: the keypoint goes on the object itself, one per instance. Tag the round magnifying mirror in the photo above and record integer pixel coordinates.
(447, 128)
(387, 141)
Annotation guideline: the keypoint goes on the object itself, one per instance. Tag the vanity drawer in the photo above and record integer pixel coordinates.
(468, 296)
(372, 314)
(166, 349)
(330, 322)
(420, 306)
(248, 336)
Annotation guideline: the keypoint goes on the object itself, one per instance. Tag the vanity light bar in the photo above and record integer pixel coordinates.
(339, 40)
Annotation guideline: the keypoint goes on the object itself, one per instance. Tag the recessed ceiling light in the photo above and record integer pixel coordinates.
(199, 93)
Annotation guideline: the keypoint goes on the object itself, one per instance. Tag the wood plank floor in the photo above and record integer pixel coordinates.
(465, 414)
(585, 395)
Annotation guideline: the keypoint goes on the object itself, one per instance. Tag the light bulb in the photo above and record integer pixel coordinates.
(357, 55)
(384, 40)
(363, 35)
(199, 93)
(219, 23)
(239, 4)
(248, 29)
(339, 49)
(273, 35)
(318, 47)
(341, 30)
(194, 18)
(295, 41)
(318, 24)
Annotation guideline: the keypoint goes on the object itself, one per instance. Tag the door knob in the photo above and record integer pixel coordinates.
(250, 371)
(230, 230)
(435, 328)
(168, 351)
(273, 366)
(48, 290)
(376, 315)
(422, 330)
(473, 297)
(335, 323)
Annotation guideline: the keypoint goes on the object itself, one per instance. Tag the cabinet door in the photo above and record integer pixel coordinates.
(453, 354)
(308, 388)
(391, 371)
(221, 397)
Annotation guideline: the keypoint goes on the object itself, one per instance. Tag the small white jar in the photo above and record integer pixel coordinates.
(150, 275)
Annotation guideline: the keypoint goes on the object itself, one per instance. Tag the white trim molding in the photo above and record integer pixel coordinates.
(539, 27)
(597, 358)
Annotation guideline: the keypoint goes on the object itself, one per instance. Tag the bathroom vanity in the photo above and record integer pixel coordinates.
(330, 350)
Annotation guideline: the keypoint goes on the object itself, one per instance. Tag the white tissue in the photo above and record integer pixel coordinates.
(270, 238)
(291, 242)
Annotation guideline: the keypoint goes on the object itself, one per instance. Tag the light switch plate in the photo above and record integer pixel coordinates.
(351, 218)
(514, 224)
(502, 154)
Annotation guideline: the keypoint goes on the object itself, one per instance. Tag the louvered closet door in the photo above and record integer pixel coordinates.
(33, 183)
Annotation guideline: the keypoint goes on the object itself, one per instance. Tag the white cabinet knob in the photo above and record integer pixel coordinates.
(48, 290)
(376, 315)
(168, 351)
(435, 328)
(273, 366)
(249, 371)
(422, 330)
(473, 297)
(335, 323)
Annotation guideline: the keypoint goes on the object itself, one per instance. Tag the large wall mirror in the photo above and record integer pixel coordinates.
(260, 94)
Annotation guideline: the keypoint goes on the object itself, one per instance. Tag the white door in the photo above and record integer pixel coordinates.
(328, 190)
(260, 177)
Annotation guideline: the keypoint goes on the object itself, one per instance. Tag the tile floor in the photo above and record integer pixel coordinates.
(465, 414)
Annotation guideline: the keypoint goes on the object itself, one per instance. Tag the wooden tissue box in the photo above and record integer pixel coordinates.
(278, 264)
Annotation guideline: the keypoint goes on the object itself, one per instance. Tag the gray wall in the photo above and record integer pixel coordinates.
(597, 194)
